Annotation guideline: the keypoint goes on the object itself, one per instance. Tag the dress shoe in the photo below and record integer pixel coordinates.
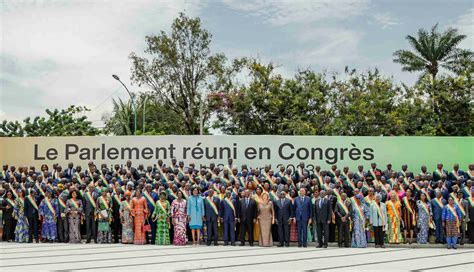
(305, 246)
(226, 244)
(232, 244)
(216, 244)
(299, 245)
(251, 244)
(287, 245)
(280, 245)
(319, 246)
(325, 246)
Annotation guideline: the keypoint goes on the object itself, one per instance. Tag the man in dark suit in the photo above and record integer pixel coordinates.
(69, 171)
(323, 214)
(247, 217)
(228, 216)
(211, 214)
(89, 200)
(303, 211)
(31, 212)
(283, 214)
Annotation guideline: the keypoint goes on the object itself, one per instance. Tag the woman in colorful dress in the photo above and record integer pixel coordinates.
(21, 229)
(162, 217)
(126, 219)
(423, 220)
(265, 218)
(408, 216)
(179, 216)
(451, 221)
(74, 215)
(195, 214)
(359, 215)
(48, 210)
(139, 210)
(104, 216)
(394, 219)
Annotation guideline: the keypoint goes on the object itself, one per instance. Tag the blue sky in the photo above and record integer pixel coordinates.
(57, 53)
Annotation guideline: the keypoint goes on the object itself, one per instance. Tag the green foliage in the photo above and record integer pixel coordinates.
(66, 122)
(433, 50)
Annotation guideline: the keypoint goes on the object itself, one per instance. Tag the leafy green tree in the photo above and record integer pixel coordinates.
(432, 50)
(180, 68)
(67, 122)
(270, 104)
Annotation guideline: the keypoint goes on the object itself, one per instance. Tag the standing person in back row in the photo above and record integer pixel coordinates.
(247, 217)
(303, 211)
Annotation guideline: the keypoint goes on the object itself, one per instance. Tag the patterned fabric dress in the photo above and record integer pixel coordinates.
(127, 222)
(424, 214)
(139, 211)
(104, 235)
(394, 215)
(21, 229)
(407, 216)
(359, 237)
(48, 228)
(178, 213)
(74, 212)
(162, 213)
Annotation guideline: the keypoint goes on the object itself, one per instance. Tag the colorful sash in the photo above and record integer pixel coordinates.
(358, 210)
(455, 174)
(395, 211)
(379, 211)
(406, 181)
(425, 207)
(50, 206)
(453, 211)
(320, 179)
(424, 190)
(407, 205)
(231, 205)
(78, 176)
(38, 187)
(439, 203)
(117, 199)
(471, 201)
(91, 200)
(15, 194)
(148, 176)
(466, 191)
(351, 184)
(225, 180)
(11, 202)
(461, 208)
(148, 197)
(74, 203)
(29, 179)
(372, 173)
(159, 205)
(213, 205)
(338, 180)
(392, 181)
(242, 182)
(273, 196)
(343, 206)
(417, 187)
(440, 173)
(32, 202)
(104, 180)
(127, 205)
(104, 201)
(171, 193)
(61, 202)
(268, 178)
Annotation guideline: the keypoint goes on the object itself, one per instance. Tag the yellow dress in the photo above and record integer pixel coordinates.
(256, 226)
(394, 216)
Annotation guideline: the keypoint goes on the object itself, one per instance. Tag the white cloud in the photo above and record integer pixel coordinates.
(282, 12)
(67, 50)
(385, 20)
(326, 47)
(465, 25)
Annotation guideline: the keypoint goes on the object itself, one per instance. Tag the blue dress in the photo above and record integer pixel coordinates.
(359, 237)
(48, 229)
(195, 211)
(21, 229)
(424, 214)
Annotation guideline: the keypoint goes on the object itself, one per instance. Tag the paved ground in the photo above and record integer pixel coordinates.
(114, 257)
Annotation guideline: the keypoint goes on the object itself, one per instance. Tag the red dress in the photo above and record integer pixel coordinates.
(139, 211)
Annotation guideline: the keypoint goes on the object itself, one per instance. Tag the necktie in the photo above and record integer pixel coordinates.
(247, 202)
(320, 203)
(281, 201)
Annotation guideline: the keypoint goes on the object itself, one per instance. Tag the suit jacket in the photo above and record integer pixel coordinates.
(247, 212)
(209, 211)
(31, 211)
(226, 212)
(69, 173)
(88, 208)
(283, 211)
(323, 212)
(302, 208)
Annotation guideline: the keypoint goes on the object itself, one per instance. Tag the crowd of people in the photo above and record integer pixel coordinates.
(173, 204)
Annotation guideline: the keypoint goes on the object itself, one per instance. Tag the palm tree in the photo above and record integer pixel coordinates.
(433, 50)
(120, 122)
